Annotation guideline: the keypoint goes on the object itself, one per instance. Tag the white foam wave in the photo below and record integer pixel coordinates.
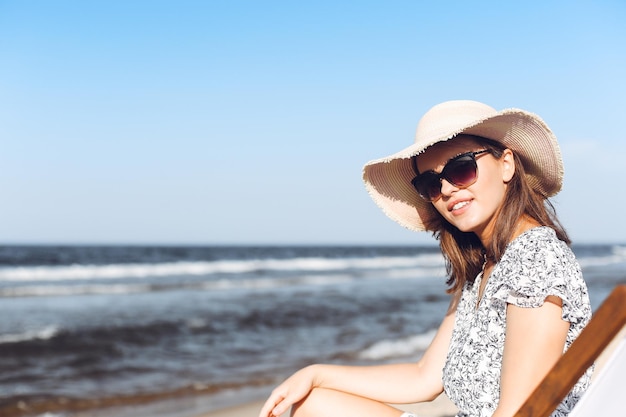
(616, 256)
(268, 283)
(214, 285)
(411, 273)
(65, 290)
(411, 346)
(619, 251)
(224, 284)
(43, 334)
(117, 271)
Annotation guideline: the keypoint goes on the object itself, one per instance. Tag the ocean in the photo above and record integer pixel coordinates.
(86, 327)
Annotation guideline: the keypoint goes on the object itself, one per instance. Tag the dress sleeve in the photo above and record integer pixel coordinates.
(538, 266)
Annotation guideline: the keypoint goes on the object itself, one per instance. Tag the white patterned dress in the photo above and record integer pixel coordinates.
(535, 265)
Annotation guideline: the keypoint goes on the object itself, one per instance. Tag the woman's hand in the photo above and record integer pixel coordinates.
(292, 390)
(391, 383)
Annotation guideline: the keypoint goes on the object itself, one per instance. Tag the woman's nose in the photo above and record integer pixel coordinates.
(447, 188)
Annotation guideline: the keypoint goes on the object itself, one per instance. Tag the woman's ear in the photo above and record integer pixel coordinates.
(508, 165)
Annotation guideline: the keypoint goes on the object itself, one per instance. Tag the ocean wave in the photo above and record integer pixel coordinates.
(118, 271)
(410, 346)
(46, 333)
(615, 256)
(225, 284)
(619, 251)
(65, 290)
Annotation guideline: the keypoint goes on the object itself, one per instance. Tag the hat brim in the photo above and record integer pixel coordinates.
(388, 179)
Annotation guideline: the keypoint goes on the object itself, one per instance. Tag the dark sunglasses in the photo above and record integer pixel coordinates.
(460, 171)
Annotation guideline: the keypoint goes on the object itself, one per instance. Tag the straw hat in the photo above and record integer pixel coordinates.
(388, 180)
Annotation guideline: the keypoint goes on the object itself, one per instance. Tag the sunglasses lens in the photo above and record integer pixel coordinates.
(428, 186)
(461, 172)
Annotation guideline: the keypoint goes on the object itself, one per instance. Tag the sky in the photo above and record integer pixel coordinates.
(249, 122)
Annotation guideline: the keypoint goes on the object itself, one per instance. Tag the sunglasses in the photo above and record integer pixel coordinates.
(460, 171)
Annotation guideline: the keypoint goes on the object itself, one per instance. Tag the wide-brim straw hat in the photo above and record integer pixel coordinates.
(388, 180)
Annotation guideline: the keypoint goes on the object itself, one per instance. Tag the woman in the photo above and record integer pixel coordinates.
(478, 179)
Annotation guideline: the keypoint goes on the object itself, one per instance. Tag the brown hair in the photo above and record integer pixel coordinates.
(463, 251)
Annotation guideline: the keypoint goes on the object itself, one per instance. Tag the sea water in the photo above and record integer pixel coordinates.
(84, 326)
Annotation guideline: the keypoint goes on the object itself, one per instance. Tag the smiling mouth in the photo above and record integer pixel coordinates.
(460, 204)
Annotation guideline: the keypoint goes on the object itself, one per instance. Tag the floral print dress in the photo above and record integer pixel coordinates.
(535, 265)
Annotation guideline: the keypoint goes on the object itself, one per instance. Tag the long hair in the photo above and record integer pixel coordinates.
(463, 251)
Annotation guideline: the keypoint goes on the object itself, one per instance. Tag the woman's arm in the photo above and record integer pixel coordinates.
(535, 339)
(396, 383)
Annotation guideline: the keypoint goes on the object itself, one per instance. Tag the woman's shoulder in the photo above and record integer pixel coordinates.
(539, 243)
(539, 233)
(538, 264)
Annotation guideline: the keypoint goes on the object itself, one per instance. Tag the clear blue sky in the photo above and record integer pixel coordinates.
(249, 121)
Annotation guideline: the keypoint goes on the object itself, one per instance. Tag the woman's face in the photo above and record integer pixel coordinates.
(470, 209)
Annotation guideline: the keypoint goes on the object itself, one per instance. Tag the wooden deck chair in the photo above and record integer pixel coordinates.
(605, 396)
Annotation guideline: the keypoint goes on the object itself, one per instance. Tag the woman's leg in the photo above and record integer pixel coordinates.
(323, 402)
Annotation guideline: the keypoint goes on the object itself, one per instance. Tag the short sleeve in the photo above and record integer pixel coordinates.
(538, 265)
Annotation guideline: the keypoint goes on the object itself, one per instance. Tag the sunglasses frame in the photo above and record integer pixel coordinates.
(444, 174)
